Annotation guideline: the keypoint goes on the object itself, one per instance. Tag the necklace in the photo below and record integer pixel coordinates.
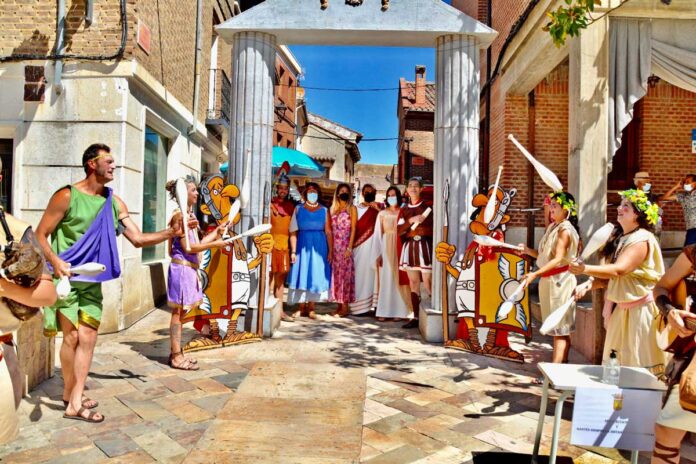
(311, 205)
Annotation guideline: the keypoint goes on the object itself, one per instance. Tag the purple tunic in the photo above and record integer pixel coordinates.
(183, 287)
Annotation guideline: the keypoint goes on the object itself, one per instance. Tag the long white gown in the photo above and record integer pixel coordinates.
(364, 257)
(393, 298)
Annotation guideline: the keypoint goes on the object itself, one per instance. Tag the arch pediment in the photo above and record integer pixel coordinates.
(406, 23)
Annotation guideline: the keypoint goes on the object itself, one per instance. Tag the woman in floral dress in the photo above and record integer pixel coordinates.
(343, 220)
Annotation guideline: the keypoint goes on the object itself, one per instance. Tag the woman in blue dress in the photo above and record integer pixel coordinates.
(310, 253)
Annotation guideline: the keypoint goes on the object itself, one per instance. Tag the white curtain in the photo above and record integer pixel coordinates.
(629, 69)
(638, 48)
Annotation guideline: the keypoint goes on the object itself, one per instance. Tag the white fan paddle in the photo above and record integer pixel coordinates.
(88, 269)
(260, 229)
(489, 212)
(182, 198)
(598, 239)
(425, 214)
(559, 313)
(508, 304)
(245, 195)
(545, 173)
(234, 211)
(485, 240)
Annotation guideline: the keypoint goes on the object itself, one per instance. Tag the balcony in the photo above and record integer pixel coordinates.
(219, 99)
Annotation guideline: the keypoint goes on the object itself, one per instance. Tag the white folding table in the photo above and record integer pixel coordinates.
(566, 378)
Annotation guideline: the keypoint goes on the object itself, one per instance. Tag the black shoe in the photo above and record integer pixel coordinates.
(412, 324)
(370, 313)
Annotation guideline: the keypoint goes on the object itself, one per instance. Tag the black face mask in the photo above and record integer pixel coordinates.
(344, 196)
(369, 196)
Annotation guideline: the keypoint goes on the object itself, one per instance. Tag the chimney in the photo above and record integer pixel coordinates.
(420, 84)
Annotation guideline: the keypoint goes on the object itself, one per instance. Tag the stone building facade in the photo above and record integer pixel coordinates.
(129, 77)
(334, 146)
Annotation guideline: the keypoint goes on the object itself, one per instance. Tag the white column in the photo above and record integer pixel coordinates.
(251, 118)
(456, 146)
(588, 140)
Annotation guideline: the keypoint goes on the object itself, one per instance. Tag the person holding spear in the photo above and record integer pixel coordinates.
(415, 226)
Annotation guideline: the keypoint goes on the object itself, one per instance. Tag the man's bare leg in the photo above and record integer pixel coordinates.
(86, 341)
(279, 292)
(414, 279)
(67, 355)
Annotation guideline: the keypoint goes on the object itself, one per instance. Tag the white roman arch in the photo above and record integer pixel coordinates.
(457, 39)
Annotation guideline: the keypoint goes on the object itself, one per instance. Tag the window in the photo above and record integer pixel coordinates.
(6, 184)
(154, 195)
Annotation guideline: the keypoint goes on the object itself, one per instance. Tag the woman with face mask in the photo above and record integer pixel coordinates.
(687, 198)
(394, 293)
(311, 250)
(343, 220)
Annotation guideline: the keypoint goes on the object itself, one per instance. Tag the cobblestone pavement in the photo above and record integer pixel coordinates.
(422, 403)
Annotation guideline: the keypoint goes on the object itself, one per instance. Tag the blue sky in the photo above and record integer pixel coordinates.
(373, 114)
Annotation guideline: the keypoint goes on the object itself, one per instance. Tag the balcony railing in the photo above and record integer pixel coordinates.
(219, 107)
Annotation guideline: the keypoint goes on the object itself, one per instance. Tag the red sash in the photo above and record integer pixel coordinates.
(365, 226)
(555, 271)
(403, 275)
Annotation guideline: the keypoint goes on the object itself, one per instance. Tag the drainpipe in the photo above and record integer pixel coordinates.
(485, 159)
(60, 40)
(197, 75)
(531, 143)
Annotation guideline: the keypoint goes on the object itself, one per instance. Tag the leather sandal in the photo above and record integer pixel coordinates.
(90, 416)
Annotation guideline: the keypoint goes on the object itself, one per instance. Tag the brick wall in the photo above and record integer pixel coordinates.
(669, 115)
(510, 115)
(173, 27)
(285, 94)
(415, 156)
(29, 27)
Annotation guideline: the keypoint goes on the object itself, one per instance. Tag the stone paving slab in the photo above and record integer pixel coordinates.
(291, 411)
(409, 402)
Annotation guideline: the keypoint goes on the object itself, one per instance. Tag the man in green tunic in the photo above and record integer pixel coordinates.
(69, 214)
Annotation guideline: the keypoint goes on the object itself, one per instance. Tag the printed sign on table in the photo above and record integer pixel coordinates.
(612, 417)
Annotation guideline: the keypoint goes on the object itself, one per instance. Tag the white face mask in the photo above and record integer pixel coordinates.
(391, 201)
(688, 187)
(312, 197)
(646, 187)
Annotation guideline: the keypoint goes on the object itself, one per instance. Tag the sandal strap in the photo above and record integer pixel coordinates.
(670, 455)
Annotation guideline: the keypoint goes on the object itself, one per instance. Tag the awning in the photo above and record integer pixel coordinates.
(301, 164)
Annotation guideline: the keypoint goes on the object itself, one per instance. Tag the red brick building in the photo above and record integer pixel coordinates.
(415, 110)
(556, 101)
(290, 111)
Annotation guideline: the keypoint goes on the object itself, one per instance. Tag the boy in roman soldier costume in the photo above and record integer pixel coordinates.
(481, 269)
(226, 274)
(415, 226)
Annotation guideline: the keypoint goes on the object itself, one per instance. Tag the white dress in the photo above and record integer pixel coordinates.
(393, 298)
(364, 257)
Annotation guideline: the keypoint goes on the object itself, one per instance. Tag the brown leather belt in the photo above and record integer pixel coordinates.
(184, 262)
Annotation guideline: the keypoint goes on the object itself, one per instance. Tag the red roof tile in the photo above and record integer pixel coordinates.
(408, 96)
